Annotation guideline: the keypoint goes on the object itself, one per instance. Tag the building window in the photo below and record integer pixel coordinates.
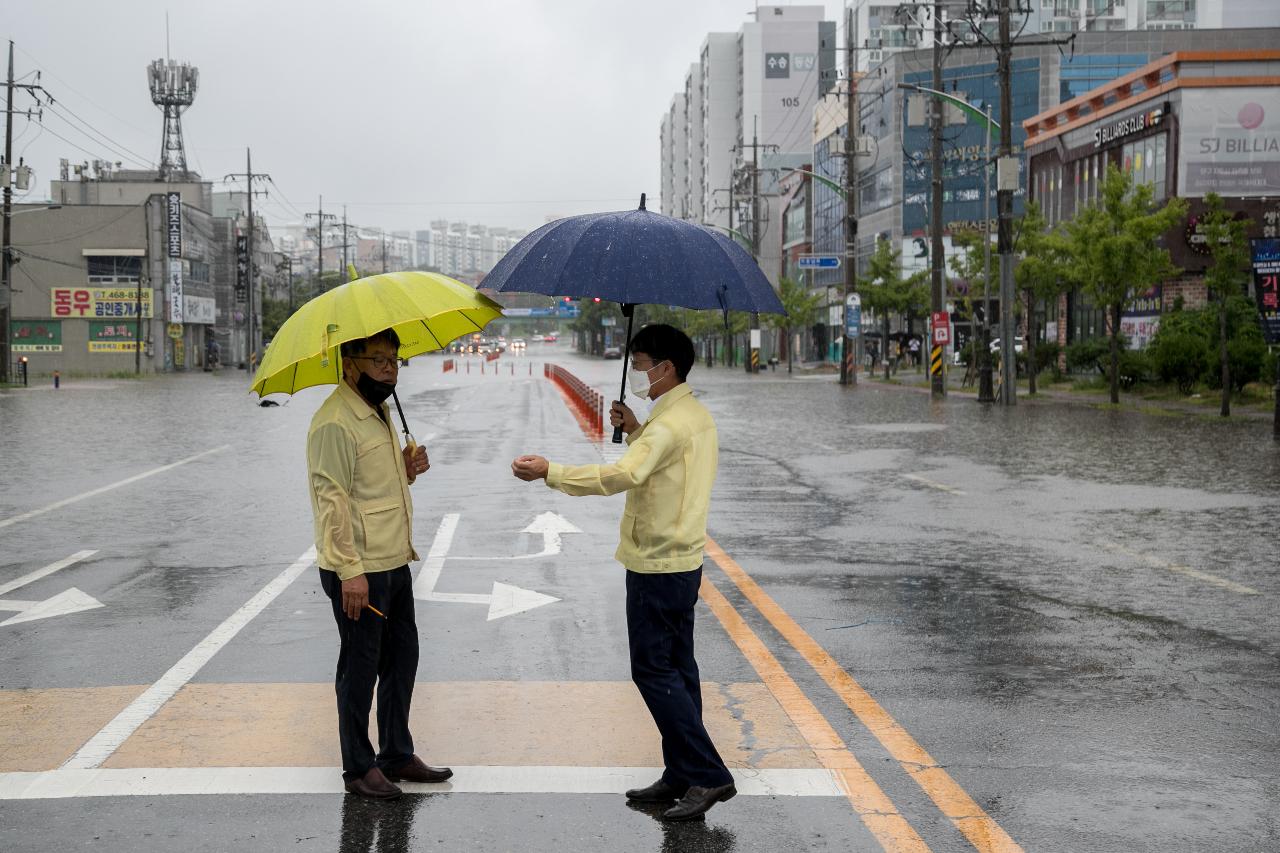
(112, 269)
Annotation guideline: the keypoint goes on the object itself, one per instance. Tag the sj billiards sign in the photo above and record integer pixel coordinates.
(1129, 125)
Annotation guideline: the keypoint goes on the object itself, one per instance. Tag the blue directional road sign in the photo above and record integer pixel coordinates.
(819, 262)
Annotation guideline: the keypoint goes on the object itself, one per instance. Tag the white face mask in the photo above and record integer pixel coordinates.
(639, 381)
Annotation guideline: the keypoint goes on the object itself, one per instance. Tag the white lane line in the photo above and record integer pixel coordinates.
(931, 484)
(99, 747)
(1186, 571)
(135, 478)
(166, 781)
(429, 575)
(46, 571)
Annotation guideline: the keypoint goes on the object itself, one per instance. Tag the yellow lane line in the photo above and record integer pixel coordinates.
(869, 801)
(967, 816)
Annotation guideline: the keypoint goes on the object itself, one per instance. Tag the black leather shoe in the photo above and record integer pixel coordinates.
(374, 786)
(658, 792)
(416, 770)
(696, 801)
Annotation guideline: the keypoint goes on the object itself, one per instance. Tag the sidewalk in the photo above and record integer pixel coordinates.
(1048, 392)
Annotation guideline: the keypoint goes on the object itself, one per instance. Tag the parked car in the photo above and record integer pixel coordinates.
(550, 339)
(613, 352)
(537, 339)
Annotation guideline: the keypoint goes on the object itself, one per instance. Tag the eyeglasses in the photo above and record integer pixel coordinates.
(381, 362)
(652, 365)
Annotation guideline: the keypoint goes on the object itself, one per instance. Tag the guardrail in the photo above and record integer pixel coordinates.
(587, 403)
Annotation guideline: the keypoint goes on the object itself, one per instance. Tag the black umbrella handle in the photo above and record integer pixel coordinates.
(630, 312)
(408, 438)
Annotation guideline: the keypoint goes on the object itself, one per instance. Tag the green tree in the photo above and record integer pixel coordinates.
(274, 313)
(1040, 274)
(801, 306)
(1113, 251)
(886, 291)
(969, 265)
(1225, 277)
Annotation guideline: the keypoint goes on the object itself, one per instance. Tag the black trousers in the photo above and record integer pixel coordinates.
(660, 632)
(381, 651)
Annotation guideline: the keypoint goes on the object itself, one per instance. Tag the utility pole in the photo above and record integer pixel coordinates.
(848, 359)
(1006, 183)
(753, 354)
(937, 380)
(6, 250)
(982, 341)
(384, 251)
(253, 320)
(320, 217)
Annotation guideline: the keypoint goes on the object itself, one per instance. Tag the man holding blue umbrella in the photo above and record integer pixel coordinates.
(667, 473)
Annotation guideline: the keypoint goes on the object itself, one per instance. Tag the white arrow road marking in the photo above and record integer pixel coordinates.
(551, 525)
(66, 602)
(505, 600)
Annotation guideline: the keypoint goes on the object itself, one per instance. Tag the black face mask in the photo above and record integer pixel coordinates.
(373, 390)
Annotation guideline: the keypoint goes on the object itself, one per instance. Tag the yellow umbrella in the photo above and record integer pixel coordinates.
(427, 310)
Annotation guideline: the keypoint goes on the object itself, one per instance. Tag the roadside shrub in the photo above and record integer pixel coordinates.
(1047, 358)
(1135, 368)
(1179, 355)
(1088, 356)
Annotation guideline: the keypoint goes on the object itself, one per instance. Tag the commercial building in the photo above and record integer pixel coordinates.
(1188, 124)
(96, 283)
(726, 139)
(894, 178)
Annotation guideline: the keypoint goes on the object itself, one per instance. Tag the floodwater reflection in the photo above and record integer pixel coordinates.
(374, 825)
(687, 836)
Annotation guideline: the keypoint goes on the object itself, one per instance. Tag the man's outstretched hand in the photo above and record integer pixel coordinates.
(529, 468)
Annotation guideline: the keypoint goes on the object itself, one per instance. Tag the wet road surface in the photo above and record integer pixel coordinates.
(924, 625)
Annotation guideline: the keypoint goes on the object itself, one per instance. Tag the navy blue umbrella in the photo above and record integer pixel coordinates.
(636, 257)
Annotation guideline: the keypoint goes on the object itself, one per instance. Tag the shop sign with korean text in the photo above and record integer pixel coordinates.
(173, 220)
(1266, 284)
(36, 335)
(176, 305)
(112, 337)
(99, 302)
(242, 269)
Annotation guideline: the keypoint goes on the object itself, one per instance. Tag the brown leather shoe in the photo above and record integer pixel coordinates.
(696, 801)
(373, 785)
(416, 770)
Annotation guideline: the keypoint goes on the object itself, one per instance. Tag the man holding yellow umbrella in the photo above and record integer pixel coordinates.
(359, 479)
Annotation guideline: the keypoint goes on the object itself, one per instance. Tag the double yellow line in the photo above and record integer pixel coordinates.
(873, 806)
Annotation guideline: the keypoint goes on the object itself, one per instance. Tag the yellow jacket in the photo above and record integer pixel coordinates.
(667, 473)
(359, 488)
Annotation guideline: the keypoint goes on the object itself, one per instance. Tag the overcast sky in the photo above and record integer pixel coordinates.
(492, 111)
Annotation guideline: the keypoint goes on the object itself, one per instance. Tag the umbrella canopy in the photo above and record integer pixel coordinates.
(636, 257)
(427, 311)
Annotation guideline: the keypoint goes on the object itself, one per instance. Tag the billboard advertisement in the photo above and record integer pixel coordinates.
(1230, 142)
(99, 302)
(36, 335)
(111, 337)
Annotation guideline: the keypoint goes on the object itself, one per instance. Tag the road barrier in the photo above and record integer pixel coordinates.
(449, 364)
(584, 400)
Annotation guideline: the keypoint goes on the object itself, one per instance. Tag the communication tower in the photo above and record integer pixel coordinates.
(173, 88)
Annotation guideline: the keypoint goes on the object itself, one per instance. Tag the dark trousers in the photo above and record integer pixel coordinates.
(660, 632)
(375, 650)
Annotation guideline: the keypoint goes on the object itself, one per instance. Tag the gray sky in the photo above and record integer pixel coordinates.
(493, 111)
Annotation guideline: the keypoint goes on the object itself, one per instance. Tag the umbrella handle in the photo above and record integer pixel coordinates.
(630, 312)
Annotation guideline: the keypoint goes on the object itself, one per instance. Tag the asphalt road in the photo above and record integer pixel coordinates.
(925, 626)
